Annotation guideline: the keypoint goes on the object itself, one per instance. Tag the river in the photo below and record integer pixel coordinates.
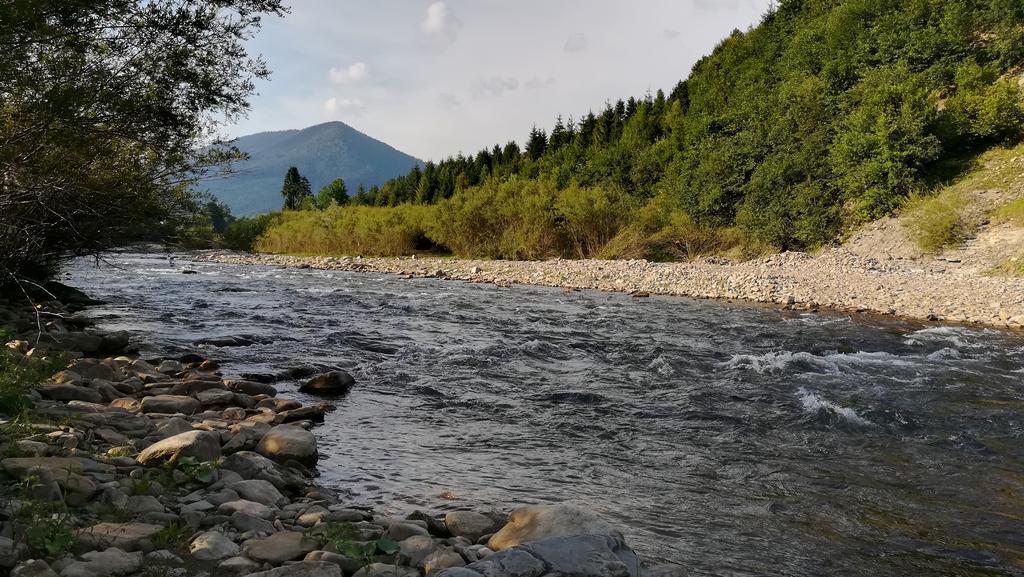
(730, 439)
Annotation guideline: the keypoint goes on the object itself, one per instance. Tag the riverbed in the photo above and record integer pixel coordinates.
(730, 439)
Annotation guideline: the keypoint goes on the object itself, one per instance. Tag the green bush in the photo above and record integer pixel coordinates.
(591, 217)
(242, 234)
(19, 374)
(350, 230)
(511, 220)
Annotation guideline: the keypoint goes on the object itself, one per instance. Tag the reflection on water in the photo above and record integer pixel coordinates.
(735, 440)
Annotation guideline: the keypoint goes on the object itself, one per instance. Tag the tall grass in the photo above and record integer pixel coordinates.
(935, 222)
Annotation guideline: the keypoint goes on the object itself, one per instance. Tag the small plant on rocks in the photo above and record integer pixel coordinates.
(172, 537)
(343, 537)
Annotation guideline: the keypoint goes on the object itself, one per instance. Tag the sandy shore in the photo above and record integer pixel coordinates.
(836, 279)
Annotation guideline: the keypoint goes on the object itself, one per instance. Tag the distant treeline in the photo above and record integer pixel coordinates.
(828, 114)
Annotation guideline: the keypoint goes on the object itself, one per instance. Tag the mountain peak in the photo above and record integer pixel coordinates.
(321, 152)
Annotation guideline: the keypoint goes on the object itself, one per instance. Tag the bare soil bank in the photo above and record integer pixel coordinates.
(836, 279)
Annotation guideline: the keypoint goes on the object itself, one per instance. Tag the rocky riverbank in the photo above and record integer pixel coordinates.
(118, 465)
(836, 279)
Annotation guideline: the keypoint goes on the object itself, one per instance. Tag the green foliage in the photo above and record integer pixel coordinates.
(342, 537)
(296, 192)
(334, 194)
(198, 471)
(243, 233)
(935, 222)
(828, 114)
(173, 537)
(106, 112)
(45, 526)
(19, 374)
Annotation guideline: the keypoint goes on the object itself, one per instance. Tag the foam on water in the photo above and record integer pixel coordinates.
(814, 404)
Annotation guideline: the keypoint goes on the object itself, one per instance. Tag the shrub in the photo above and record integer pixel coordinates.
(242, 233)
(935, 222)
(591, 217)
(350, 230)
(511, 220)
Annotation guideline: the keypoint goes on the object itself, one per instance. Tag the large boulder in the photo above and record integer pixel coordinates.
(65, 471)
(260, 491)
(170, 404)
(122, 535)
(333, 383)
(470, 524)
(250, 465)
(303, 569)
(289, 443)
(542, 521)
(280, 547)
(213, 546)
(202, 445)
(70, 393)
(590, 555)
(113, 561)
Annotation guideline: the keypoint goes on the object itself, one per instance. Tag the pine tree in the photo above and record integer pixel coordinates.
(295, 189)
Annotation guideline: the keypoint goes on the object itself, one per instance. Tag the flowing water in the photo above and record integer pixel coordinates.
(730, 439)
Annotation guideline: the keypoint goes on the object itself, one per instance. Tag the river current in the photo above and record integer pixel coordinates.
(729, 439)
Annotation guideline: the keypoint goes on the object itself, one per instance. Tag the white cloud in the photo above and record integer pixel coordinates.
(494, 87)
(440, 23)
(354, 73)
(670, 34)
(576, 43)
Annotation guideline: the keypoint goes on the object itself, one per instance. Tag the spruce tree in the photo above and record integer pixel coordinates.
(295, 189)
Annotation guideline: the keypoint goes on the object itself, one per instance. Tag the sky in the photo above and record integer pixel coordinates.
(437, 77)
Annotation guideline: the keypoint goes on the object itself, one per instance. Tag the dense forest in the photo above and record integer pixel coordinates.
(828, 114)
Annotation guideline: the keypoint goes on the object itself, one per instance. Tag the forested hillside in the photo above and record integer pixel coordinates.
(828, 114)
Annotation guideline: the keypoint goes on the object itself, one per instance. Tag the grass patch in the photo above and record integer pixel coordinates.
(1013, 267)
(173, 537)
(19, 374)
(936, 222)
(1011, 212)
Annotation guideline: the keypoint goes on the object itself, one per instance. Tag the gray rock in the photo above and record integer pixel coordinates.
(141, 504)
(173, 426)
(170, 404)
(170, 367)
(470, 524)
(385, 570)
(289, 443)
(33, 568)
(415, 549)
(215, 398)
(31, 448)
(442, 559)
(303, 569)
(202, 445)
(113, 561)
(246, 522)
(252, 388)
(252, 465)
(126, 536)
(237, 566)
(8, 552)
(542, 521)
(332, 383)
(248, 507)
(399, 532)
(213, 546)
(261, 492)
(163, 556)
(347, 564)
(70, 393)
(280, 547)
(596, 555)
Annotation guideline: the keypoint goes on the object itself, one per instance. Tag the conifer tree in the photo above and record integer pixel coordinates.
(334, 193)
(295, 189)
